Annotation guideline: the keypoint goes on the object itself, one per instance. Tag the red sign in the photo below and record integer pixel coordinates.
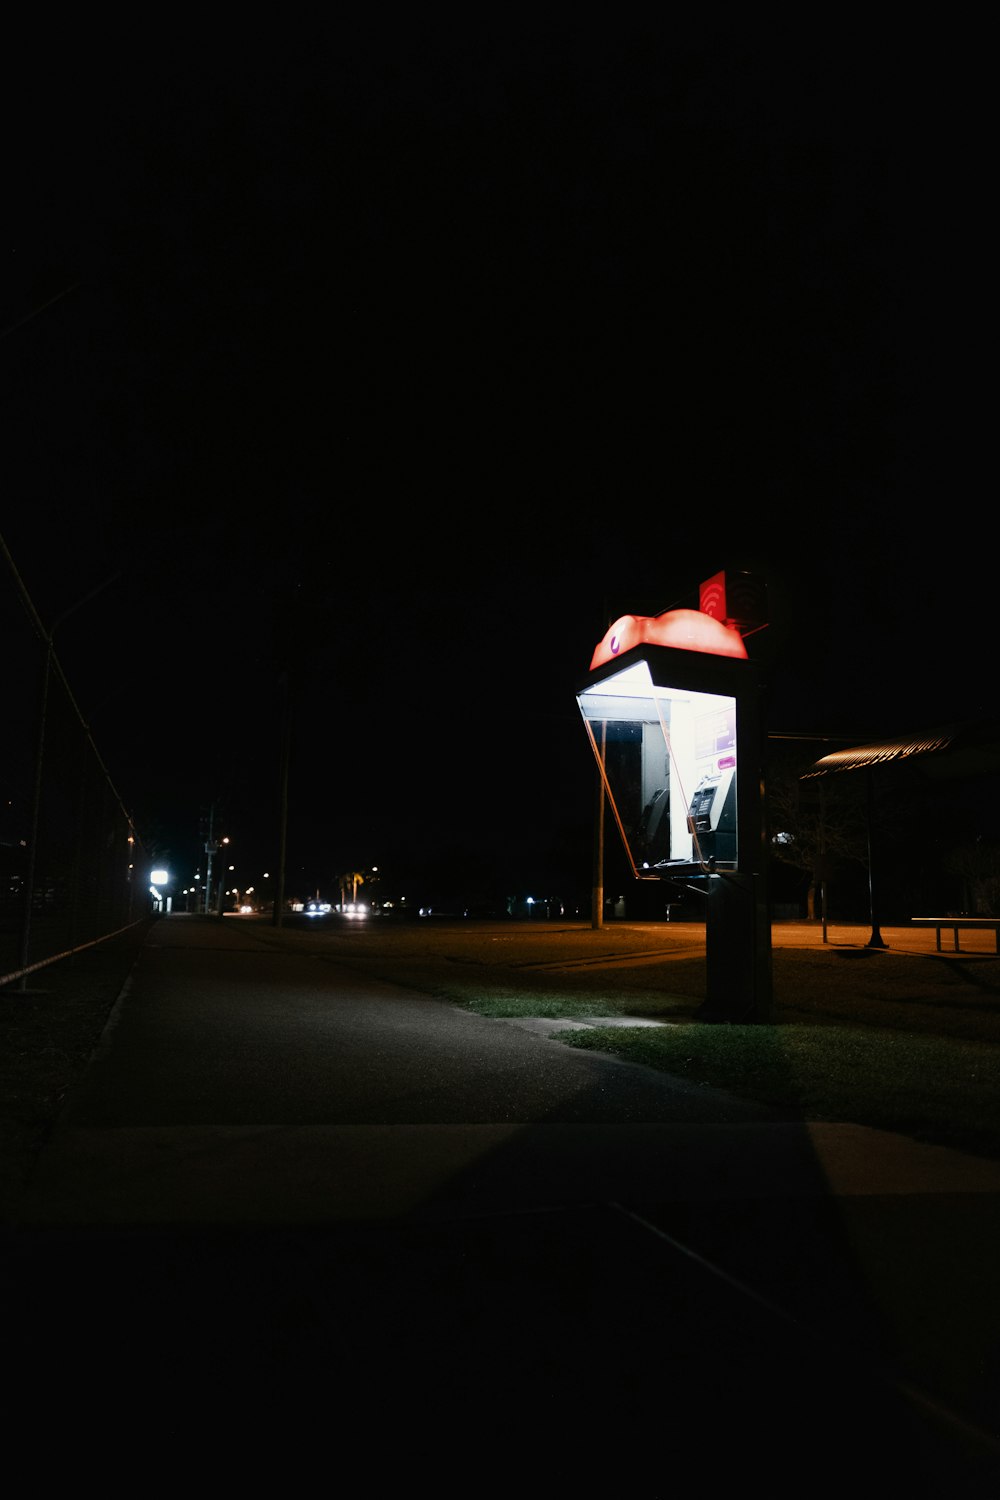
(683, 629)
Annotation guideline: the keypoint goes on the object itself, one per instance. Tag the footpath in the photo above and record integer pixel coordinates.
(296, 1215)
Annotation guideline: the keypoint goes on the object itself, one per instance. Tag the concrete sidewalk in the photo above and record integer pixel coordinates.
(313, 1183)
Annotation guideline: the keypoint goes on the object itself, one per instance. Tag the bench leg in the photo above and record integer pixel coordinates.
(956, 940)
(937, 934)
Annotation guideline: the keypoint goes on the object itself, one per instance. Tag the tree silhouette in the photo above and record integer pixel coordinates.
(813, 828)
(350, 882)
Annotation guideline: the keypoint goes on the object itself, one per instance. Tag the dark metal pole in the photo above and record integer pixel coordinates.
(597, 871)
(211, 848)
(876, 940)
(597, 892)
(822, 850)
(278, 914)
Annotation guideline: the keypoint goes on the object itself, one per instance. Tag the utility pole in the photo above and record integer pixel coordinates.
(278, 913)
(50, 664)
(211, 849)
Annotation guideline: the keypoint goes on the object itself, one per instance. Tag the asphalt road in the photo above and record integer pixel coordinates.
(294, 1217)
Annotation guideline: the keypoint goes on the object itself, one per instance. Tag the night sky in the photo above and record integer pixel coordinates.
(375, 370)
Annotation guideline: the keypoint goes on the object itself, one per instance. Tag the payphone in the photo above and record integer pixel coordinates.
(712, 817)
(676, 732)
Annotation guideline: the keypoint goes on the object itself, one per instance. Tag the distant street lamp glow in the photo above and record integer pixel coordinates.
(160, 877)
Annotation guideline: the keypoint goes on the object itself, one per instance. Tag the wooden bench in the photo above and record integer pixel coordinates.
(955, 923)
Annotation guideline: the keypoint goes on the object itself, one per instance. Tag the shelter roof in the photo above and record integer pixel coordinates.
(949, 750)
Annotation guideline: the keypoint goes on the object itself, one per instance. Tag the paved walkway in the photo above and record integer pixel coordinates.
(289, 1179)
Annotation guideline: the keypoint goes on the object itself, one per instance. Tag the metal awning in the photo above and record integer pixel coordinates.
(947, 751)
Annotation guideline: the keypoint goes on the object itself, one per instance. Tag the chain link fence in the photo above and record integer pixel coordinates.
(72, 868)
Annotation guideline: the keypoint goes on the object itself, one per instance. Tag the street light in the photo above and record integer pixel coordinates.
(158, 879)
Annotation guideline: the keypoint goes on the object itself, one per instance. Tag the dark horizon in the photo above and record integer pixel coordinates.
(395, 367)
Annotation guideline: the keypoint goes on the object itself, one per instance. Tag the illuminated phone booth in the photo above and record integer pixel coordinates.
(677, 735)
